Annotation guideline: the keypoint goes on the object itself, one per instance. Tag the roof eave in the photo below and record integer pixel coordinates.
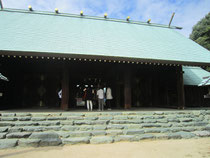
(101, 57)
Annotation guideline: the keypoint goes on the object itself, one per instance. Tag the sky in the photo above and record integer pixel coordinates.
(187, 12)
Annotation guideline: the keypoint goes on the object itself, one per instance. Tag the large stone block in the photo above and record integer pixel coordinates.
(63, 134)
(8, 143)
(208, 127)
(162, 121)
(129, 113)
(131, 126)
(92, 114)
(82, 122)
(53, 128)
(186, 120)
(135, 117)
(72, 114)
(148, 117)
(153, 130)
(49, 123)
(7, 114)
(150, 125)
(134, 121)
(47, 138)
(23, 114)
(29, 142)
(111, 113)
(99, 127)
(74, 118)
(145, 136)
(90, 118)
(185, 135)
(114, 132)
(70, 128)
(101, 140)
(125, 138)
(121, 117)
(115, 126)
(202, 123)
(105, 118)
(202, 133)
(56, 118)
(80, 133)
(8, 119)
(174, 136)
(159, 113)
(38, 118)
(26, 123)
(85, 127)
(99, 122)
(173, 120)
(97, 133)
(15, 129)
(118, 121)
(134, 132)
(68, 122)
(81, 140)
(3, 129)
(176, 129)
(40, 114)
(3, 135)
(190, 129)
(27, 118)
(18, 135)
(149, 121)
(166, 125)
(33, 129)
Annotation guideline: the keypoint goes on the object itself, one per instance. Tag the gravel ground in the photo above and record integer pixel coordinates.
(183, 148)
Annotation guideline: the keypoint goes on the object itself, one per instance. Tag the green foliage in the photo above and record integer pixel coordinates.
(201, 32)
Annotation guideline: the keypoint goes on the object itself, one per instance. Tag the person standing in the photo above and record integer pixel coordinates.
(60, 96)
(109, 97)
(89, 98)
(100, 94)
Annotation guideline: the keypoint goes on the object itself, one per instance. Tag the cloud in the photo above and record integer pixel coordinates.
(188, 12)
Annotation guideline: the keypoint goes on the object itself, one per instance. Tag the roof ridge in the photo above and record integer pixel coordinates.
(88, 17)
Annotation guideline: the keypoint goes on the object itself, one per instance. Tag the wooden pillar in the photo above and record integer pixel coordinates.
(65, 88)
(180, 88)
(127, 88)
(155, 93)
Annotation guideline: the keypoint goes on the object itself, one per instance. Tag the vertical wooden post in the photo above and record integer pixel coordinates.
(180, 88)
(127, 88)
(155, 89)
(65, 88)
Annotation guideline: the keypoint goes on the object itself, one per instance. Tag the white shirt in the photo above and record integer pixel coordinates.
(109, 94)
(60, 94)
(100, 94)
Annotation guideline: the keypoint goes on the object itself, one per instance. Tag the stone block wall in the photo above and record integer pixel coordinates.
(51, 129)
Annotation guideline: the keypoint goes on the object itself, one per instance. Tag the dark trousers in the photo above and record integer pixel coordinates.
(108, 104)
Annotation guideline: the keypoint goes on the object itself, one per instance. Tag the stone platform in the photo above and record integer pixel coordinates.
(58, 128)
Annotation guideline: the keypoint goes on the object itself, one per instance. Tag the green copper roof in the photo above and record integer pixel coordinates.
(194, 75)
(68, 34)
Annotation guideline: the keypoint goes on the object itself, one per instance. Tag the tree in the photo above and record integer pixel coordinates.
(201, 32)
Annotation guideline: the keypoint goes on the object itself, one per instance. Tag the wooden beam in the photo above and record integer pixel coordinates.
(180, 88)
(127, 88)
(65, 88)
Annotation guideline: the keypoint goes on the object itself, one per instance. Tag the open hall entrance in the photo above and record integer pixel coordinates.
(35, 83)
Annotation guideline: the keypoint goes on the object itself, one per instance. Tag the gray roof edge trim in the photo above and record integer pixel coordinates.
(102, 57)
(89, 17)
